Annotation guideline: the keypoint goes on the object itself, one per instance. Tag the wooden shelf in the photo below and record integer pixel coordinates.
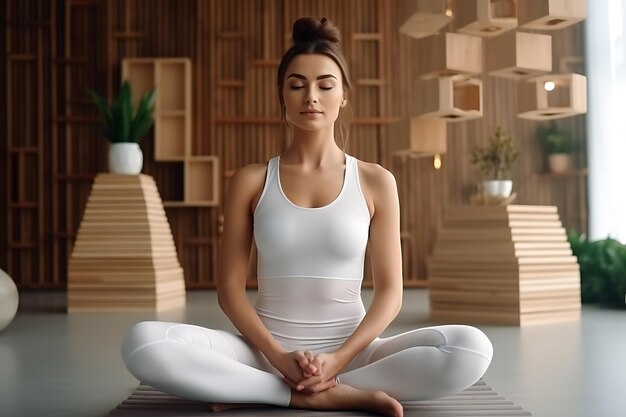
(550, 15)
(172, 124)
(173, 80)
(518, 55)
(171, 133)
(201, 180)
(422, 18)
(418, 136)
(456, 98)
(172, 115)
(448, 54)
(568, 97)
(567, 174)
(485, 18)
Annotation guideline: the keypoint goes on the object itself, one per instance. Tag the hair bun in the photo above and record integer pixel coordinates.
(311, 29)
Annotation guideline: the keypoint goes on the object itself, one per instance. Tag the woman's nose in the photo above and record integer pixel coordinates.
(311, 97)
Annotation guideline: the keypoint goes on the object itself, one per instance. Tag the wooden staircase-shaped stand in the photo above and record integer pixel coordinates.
(124, 257)
(509, 265)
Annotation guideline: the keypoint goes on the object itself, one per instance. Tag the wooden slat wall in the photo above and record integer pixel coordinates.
(52, 149)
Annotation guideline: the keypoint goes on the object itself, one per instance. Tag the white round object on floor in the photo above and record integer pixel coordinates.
(8, 299)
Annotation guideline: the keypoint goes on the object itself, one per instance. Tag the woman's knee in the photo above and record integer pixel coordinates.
(467, 338)
(141, 334)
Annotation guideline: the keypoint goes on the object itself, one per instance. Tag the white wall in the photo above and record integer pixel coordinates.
(606, 119)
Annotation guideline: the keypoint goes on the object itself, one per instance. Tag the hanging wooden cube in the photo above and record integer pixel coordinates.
(452, 99)
(518, 55)
(448, 54)
(423, 17)
(550, 14)
(552, 96)
(417, 136)
(485, 18)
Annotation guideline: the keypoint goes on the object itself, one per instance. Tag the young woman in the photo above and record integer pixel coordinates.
(312, 210)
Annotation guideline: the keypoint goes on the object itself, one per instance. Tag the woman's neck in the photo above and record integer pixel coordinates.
(313, 148)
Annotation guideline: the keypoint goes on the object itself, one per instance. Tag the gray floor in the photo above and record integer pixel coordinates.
(55, 364)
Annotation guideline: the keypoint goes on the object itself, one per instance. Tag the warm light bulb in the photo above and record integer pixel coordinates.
(549, 85)
(448, 12)
(437, 161)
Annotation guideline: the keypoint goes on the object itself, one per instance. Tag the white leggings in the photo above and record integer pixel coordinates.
(217, 366)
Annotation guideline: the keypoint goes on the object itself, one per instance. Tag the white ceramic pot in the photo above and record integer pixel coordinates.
(9, 299)
(125, 158)
(560, 162)
(498, 188)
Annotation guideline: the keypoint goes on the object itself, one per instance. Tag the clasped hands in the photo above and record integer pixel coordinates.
(308, 373)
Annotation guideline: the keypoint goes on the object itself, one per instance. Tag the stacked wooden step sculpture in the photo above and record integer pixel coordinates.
(124, 257)
(506, 265)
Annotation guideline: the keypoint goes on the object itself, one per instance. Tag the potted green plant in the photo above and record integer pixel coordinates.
(558, 147)
(602, 269)
(124, 127)
(495, 161)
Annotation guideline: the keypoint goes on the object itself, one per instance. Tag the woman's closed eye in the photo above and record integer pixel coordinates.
(297, 87)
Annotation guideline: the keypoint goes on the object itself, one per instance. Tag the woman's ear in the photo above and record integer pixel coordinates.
(344, 101)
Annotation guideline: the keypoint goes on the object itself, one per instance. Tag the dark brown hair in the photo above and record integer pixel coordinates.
(314, 36)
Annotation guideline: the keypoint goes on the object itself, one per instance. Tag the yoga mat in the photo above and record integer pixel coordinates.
(478, 400)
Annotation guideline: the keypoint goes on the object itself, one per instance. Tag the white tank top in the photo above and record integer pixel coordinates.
(310, 263)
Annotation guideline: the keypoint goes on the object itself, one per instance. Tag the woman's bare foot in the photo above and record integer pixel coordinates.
(345, 397)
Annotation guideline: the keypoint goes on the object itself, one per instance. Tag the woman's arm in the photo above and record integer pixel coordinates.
(234, 258)
(386, 258)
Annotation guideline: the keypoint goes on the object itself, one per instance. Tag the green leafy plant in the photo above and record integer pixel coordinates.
(555, 140)
(495, 160)
(602, 269)
(119, 122)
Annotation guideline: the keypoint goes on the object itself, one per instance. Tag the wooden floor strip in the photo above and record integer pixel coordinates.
(478, 400)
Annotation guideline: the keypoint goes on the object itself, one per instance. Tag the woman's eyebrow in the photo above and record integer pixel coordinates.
(302, 77)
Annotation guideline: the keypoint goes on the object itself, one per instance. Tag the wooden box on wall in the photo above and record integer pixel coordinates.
(568, 97)
(485, 18)
(456, 98)
(417, 136)
(518, 55)
(449, 54)
(550, 14)
(425, 17)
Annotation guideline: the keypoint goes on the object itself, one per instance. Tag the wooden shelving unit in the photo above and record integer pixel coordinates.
(172, 125)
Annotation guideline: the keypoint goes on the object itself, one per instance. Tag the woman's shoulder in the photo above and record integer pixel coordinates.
(377, 183)
(375, 176)
(250, 175)
(247, 181)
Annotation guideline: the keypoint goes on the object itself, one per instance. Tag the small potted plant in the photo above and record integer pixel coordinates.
(558, 147)
(495, 161)
(124, 127)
